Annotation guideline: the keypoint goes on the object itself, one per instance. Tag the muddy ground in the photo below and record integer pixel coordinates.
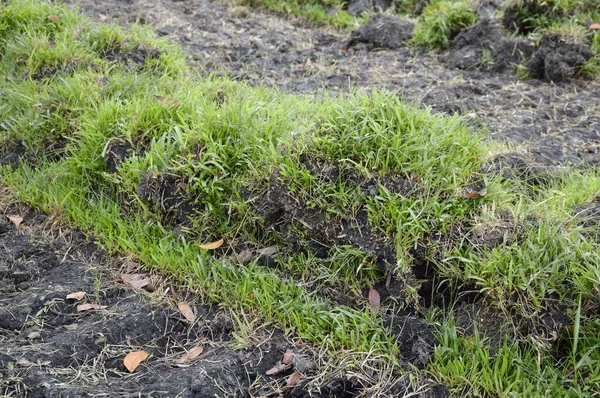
(50, 349)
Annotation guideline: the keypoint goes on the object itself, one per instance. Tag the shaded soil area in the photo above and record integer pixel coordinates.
(556, 122)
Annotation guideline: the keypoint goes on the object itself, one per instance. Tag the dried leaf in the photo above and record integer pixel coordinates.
(288, 357)
(34, 335)
(212, 245)
(76, 296)
(89, 306)
(279, 368)
(131, 265)
(15, 219)
(267, 251)
(374, 299)
(136, 281)
(243, 257)
(23, 362)
(73, 326)
(293, 379)
(133, 359)
(187, 311)
(150, 287)
(174, 104)
(190, 356)
(53, 18)
(476, 194)
(594, 26)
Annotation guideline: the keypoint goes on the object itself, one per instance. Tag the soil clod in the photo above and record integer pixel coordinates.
(382, 31)
(559, 59)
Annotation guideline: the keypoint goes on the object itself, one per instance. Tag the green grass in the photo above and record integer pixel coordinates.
(441, 21)
(320, 11)
(222, 138)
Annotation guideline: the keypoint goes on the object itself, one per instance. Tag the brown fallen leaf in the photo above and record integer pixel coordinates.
(288, 357)
(34, 335)
(76, 296)
(131, 266)
(243, 257)
(89, 306)
(267, 251)
(190, 356)
(187, 311)
(151, 287)
(476, 194)
(136, 281)
(133, 359)
(212, 245)
(15, 219)
(279, 368)
(293, 379)
(594, 26)
(174, 104)
(374, 299)
(53, 18)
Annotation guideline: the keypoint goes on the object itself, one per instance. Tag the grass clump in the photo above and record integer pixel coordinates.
(321, 11)
(441, 21)
(569, 19)
(526, 16)
(348, 193)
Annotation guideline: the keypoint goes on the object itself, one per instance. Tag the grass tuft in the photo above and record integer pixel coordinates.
(441, 21)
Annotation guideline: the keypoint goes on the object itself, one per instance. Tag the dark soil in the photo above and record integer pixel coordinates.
(559, 59)
(383, 31)
(49, 349)
(135, 57)
(167, 193)
(470, 46)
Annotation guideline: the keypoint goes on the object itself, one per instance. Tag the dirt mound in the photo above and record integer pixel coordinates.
(312, 229)
(167, 193)
(116, 152)
(559, 58)
(415, 338)
(382, 31)
(485, 46)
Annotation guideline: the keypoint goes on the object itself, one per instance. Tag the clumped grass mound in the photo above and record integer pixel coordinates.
(441, 21)
(568, 18)
(110, 131)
